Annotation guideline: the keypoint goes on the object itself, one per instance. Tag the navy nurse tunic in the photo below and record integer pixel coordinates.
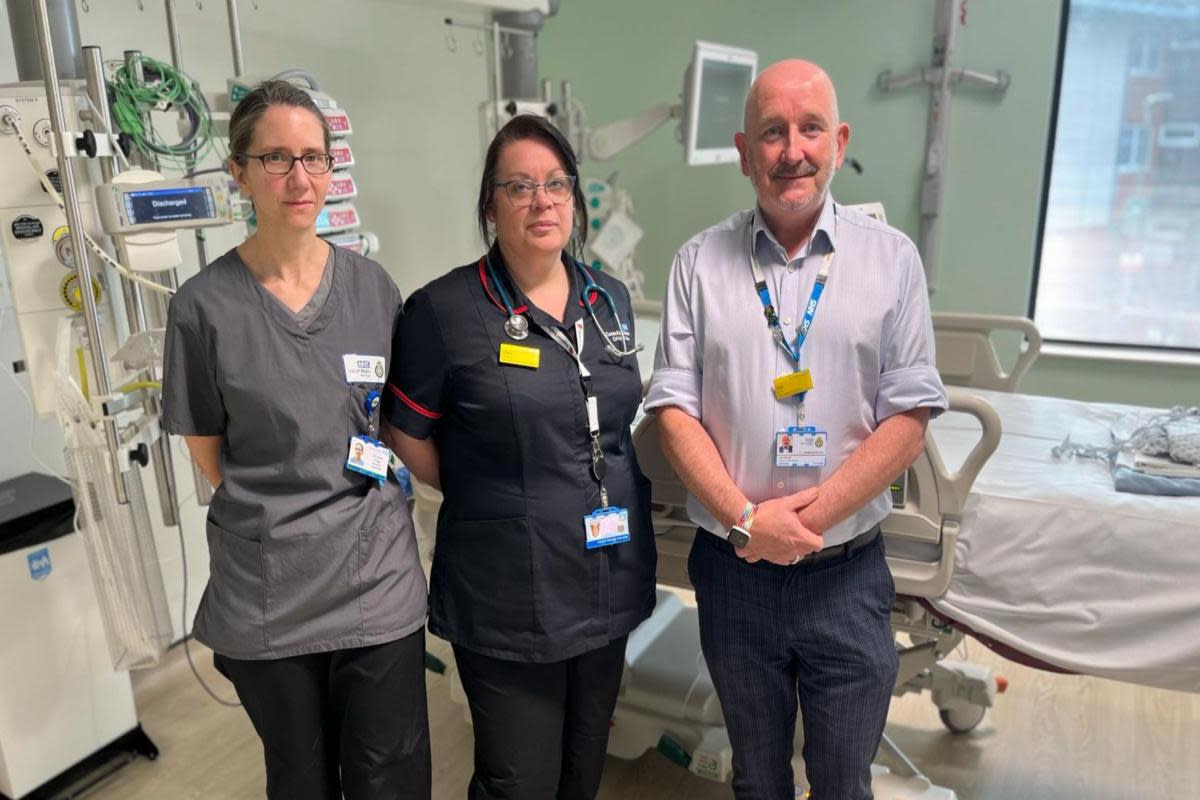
(511, 575)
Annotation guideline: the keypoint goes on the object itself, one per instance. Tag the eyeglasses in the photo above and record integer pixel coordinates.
(521, 191)
(282, 163)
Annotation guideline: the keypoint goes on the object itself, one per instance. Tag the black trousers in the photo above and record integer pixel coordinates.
(350, 723)
(541, 730)
(814, 636)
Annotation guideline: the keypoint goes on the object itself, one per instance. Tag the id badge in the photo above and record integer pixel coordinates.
(792, 384)
(520, 356)
(801, 447)
(369, 457)
(364, 369)
(606, 526)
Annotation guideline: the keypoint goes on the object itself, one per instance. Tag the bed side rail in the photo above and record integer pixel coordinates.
(928, 516)
(668, 500)
(967, 356)
(928, 502)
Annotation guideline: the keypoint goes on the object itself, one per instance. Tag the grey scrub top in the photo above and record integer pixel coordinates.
(305, 555)
(317, 301)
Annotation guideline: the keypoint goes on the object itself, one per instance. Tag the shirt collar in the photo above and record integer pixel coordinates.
(823, 238)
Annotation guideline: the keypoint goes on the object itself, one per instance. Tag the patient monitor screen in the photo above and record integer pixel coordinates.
(169, 205)
(715, 90)
(723, 90)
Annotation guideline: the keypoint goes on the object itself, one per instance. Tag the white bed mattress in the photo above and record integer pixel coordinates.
(1054, 562)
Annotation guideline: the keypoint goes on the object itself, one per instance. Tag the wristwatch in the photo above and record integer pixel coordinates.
(739, 534)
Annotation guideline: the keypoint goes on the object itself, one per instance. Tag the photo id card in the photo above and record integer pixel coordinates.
(369, 457)
(801, 447)
(606, 526)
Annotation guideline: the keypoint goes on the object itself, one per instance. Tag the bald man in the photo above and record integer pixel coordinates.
(793, 382)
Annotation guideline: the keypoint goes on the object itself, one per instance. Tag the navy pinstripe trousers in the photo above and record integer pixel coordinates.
(816, 636)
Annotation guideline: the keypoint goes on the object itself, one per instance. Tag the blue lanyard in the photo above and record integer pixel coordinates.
(810, 311)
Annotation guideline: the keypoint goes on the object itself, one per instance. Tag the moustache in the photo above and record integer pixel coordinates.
(803, 169)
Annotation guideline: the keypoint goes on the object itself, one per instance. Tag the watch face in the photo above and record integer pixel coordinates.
(738, 537)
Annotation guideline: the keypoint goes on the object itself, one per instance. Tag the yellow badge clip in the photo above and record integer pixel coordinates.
(520, 356)
(793, 383)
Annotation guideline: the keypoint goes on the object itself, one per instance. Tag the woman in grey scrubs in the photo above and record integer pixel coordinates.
(275, 357)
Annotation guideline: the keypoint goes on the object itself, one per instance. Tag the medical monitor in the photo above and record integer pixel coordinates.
(182, 204)
(714, 98)
(139, 205)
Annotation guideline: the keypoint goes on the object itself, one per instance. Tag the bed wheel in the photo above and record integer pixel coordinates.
(962, 719)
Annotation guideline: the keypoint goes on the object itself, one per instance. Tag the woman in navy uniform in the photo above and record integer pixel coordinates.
(545, 553)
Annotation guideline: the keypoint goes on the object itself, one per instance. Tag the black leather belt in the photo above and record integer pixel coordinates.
(843, 551)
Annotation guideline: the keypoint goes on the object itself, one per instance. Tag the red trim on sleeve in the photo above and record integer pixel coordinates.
(414, 405)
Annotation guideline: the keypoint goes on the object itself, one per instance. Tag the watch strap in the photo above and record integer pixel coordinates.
(746, 520)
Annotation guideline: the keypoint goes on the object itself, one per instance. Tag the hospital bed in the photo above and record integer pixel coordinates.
(1053, 567)
(1039, 559)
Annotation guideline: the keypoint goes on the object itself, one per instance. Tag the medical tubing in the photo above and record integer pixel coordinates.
(187, 636)
(83, 378)
(54, 195)
(1138, 441)
(134, 386)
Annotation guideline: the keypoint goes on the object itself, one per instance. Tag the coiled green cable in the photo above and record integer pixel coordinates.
(163, 88)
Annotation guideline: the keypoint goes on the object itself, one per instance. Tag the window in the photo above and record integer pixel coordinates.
(1187, 38)
(1118, 259)
(1144, 49)
(1131, 148)
(1179, 134)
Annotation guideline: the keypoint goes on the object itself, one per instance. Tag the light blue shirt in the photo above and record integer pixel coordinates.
(870, 348)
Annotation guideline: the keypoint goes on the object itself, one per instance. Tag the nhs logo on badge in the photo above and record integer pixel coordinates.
(39, 564)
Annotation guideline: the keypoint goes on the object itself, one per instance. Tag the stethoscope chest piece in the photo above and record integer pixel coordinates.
(517, 327)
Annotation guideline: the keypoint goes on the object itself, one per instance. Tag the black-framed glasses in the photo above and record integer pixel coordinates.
(521, 191)
(282, 163)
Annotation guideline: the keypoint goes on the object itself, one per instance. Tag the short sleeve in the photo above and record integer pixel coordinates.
(909, 378)
(192, 404)
(413, 400)
(676, 379)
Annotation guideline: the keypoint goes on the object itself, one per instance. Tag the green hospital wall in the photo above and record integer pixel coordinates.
(623, 56)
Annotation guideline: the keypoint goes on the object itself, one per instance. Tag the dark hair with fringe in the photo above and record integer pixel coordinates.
(521, 128)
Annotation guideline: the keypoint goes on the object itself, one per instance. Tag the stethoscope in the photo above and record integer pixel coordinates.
(517, 324)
